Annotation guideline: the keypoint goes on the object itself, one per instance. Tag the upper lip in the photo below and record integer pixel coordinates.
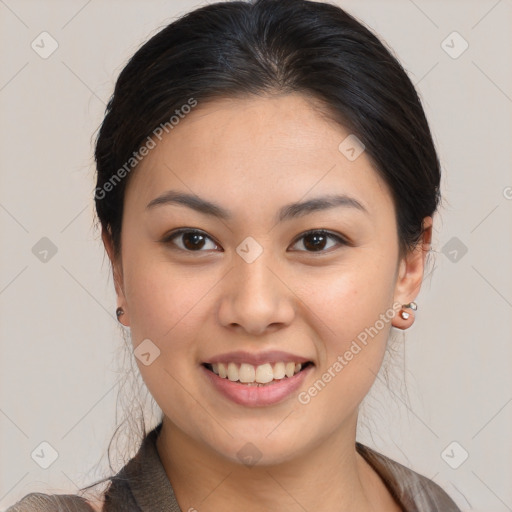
(270, 356)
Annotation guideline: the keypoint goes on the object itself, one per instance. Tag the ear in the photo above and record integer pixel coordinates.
(117, 273)
(410, 275)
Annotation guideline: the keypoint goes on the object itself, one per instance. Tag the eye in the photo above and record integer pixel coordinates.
(316, 240)
(192, 240)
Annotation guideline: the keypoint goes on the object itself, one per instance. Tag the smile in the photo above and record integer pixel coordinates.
(256, 386)
(262, 374)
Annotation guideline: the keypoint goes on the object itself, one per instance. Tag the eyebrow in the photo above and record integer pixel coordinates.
(287, 212)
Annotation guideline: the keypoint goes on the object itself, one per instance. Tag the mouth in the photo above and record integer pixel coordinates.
(257, 376)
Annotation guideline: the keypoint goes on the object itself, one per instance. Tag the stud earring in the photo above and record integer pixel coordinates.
(412, 305)
(119, 312)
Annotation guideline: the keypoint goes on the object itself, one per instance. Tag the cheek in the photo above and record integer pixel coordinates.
(350, 297)
(164, 305)
(353, 317)
(162, 298)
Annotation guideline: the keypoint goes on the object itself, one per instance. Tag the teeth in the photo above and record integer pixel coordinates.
(279, 371)
(262, 374)
(232, 372)
(222, 372)
(246, 373)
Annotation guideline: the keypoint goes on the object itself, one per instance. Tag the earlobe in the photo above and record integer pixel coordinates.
(404, 318)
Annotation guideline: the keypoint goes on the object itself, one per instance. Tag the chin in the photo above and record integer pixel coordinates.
(258, 451)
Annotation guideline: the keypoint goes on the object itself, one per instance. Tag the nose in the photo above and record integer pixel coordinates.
(256, 298)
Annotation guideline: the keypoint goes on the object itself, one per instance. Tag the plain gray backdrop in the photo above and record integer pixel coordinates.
(58, 333)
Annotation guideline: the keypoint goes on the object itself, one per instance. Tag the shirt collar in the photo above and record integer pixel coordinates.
(145, 477)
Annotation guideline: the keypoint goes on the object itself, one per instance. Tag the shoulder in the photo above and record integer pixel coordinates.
(413, 490)
(40, 502)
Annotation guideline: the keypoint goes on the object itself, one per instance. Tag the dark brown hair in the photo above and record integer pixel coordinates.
(237, 49)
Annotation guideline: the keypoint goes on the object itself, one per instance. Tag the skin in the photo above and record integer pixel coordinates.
(253, 156)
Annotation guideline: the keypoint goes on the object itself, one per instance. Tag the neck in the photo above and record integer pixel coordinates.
(204, 480)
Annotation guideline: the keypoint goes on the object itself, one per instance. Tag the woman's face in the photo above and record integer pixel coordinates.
(253, 288)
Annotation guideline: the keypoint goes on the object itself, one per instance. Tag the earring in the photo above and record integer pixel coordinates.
(412, 305)
(119, 312)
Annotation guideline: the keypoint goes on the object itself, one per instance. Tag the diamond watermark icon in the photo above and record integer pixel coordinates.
(44, 455)
(454, 455)
(454, 249)
(249, 454)
(454, 45)
(44, 45)
(44, 250)
(146, 352)
(249, 249)
(351, 147)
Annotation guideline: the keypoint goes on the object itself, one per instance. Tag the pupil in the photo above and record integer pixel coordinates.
(316, 244)
(194, 245)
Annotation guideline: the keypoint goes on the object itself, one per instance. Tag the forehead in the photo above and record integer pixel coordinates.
(257, 149)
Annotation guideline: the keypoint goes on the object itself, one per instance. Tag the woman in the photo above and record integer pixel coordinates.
(266, 188)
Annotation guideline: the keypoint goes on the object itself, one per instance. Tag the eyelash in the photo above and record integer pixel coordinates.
(322, 232)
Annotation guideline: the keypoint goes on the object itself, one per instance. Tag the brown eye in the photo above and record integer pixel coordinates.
(317, 241)
(191, 240)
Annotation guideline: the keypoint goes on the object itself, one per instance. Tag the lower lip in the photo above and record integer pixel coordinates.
(257, 396)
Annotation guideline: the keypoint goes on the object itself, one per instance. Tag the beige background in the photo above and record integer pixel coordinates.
(59, 338)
